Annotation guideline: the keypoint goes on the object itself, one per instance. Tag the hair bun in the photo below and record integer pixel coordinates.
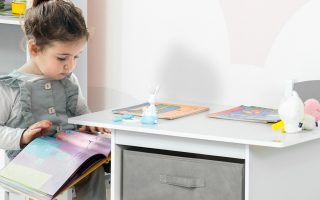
(38, 2)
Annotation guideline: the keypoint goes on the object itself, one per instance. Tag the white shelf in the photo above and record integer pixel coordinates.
(10, 20)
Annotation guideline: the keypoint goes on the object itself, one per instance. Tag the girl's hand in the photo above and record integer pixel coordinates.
(94, 129)
(34, 131)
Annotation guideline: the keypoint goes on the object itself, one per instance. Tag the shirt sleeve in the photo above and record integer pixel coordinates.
(9, 137)
(82, 107)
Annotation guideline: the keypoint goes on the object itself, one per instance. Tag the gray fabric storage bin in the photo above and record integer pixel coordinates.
(150, 176)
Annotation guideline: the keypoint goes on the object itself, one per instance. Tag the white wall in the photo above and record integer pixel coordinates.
(218, 51)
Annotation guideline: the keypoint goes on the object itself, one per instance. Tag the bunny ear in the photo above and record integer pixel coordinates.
(157, 88)
(154, 89)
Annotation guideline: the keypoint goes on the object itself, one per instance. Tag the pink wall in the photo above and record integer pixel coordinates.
(97, 59)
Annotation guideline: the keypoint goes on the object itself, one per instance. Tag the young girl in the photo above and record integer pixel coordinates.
(38, 98)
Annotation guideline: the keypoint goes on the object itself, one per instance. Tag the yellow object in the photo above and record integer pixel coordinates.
(278, 126)
(18, 7)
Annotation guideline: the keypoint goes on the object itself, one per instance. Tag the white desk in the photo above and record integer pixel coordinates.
(277, 167)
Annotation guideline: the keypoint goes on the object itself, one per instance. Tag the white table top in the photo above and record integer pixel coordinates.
(199, 126)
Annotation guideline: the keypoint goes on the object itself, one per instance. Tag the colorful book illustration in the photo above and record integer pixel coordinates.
(248, 113)
(165, 110)
(49, 165)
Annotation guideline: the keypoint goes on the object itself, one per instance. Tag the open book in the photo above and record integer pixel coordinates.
(49, 165)
(248, 113)
(164, 110)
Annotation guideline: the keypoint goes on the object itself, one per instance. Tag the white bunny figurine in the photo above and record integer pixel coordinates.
(150, 115)
(291, 111)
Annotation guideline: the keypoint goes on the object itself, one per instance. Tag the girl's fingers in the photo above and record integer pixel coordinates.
(39, 127)
(92, 129)
(83, 128)
(44, 124)
(105, 130)
(86, 129)
(100, 129)
(34, 132)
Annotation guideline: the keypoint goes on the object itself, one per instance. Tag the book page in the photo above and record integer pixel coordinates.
(47, 163)
(92, 142)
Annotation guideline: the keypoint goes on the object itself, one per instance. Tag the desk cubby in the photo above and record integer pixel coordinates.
(157, 174)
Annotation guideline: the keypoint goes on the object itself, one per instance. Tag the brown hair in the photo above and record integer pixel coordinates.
(54, 20)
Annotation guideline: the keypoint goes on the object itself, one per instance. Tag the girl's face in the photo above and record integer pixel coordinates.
(59, 59)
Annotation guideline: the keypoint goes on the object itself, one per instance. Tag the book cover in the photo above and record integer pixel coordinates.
(164, 110)
(248, 113)
(49, 165)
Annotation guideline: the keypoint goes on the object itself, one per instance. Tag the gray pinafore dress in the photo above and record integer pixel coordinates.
(40, 99)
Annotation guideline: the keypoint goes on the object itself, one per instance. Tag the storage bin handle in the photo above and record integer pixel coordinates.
(187, 182)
